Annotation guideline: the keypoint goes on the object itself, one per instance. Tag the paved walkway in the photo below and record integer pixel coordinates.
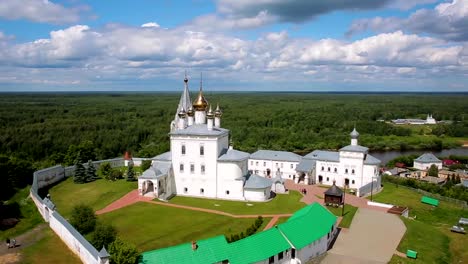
(133, 197)
(313, 191)
(372, 238)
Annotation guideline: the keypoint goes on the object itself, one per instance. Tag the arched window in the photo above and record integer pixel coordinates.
(335, 170)
(346, 171)
(202, 150)
(183, 150)
(202, 191)
(181, 169)
(352, 171)
(352, 181)
(185, 189)
(328, 179)
(202, 168)
(227, 192)
(323, 168)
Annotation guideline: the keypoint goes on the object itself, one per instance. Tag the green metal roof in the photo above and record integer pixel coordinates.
(258, 247)
(210, 250)
(429, 200)
(308, 225)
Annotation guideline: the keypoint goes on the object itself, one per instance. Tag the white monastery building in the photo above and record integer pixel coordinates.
(201, 163)
(428, 121)
(350, 167)
(426, 160)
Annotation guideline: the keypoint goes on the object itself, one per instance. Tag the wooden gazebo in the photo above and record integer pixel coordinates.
(334, 195)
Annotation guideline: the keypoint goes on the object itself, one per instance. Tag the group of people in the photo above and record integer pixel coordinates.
(304, 191)
(11, 243)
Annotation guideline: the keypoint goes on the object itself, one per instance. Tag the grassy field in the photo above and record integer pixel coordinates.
(29, 216)
(49, 249)
(150, 226)
(281, 204)
(97, 194)
(349, 213)
(429, 234)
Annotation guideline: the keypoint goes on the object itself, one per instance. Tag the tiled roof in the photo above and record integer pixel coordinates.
(276, 155)
(233, 155)
(427, 158)
(256, 182)
(165, 156)
(371, 160)
(324, 155)
(306, 165)
(355, 148)
(200, 130)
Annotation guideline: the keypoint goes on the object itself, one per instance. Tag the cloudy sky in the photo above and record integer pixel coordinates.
(266, 45)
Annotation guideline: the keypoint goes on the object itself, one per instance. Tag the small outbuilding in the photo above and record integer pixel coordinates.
(334, 195)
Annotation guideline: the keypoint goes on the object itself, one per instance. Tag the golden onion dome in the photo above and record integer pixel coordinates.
(190, 112)
(200, 103)
(218, 112)
(210, 114)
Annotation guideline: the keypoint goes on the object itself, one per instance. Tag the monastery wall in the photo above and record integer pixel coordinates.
(67, 233)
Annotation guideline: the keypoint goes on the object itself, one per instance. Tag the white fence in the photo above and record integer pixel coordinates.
(69, 235)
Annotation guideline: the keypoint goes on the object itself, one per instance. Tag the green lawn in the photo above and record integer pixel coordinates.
(281, 204)
(349, 213)
(97, 194)
(29, 216)
(49, 249)
(151, 226)
(429, 233)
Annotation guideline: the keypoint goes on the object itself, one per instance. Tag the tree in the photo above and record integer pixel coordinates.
(115, 175)
(433, 171)
(103, 235)
(80, 173)
(105, 170)
(91, 172)
(83, 218)
(146, 164)
(130, 173)
(122, 252)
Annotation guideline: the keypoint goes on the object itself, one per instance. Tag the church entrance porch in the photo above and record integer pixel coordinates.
(148, 189)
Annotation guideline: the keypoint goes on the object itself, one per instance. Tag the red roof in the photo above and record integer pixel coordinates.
(127, 156)
(448, 162)
(400, 165)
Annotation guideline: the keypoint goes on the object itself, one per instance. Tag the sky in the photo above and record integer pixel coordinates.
(238, 45)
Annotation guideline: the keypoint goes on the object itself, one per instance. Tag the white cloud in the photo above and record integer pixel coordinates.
(446, 20)
(150, 25)
(118, 53)
(42, 11)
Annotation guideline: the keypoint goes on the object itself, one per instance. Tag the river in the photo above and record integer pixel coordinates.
(386, 156)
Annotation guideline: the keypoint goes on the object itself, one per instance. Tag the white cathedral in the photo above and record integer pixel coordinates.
(201, 163)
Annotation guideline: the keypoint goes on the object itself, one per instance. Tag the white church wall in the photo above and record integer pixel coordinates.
(322, 169)
(426, 166)
(286, 169)
(195, 183)
(312, 250)
(228, 187)
(257, 194)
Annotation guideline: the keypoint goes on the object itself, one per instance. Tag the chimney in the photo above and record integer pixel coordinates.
(194, 245)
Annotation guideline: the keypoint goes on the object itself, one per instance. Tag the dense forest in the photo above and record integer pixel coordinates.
(47, 127)
(41, 130)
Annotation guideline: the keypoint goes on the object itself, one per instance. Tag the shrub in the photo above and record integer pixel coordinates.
(83, 218)
(121, 252)
(103, 235)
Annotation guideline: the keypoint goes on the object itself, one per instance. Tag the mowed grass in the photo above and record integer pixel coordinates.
(29, 216)
(281, 204)
(151, 226)
(97, 194)
(429, 234)
(349, 212)
(49, 249)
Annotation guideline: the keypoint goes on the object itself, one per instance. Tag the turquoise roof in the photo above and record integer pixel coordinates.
(308, 225)
(209, 250)
(258, 247)
(303, 228)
